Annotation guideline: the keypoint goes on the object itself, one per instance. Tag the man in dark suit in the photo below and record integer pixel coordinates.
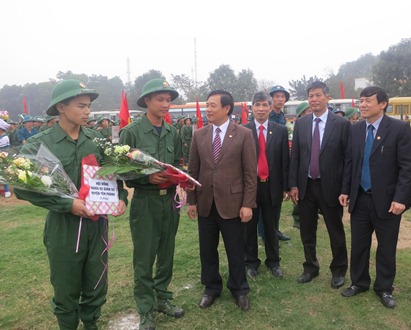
(377, 188)
(316, 171)
(223, 159)
(272, 185)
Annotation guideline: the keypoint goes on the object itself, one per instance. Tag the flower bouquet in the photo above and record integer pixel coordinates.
(41, 172)
(129, 164)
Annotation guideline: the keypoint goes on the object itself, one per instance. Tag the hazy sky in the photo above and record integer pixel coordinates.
(278, 40)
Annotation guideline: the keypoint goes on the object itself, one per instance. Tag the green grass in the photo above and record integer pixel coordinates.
(25, 290)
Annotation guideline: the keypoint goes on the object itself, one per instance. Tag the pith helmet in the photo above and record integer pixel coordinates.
(279, 88)
(156, 85)
(350, 112)
(301, 108)
(66, 89)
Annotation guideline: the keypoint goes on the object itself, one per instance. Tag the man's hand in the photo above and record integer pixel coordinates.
(121, 209)
(396, 208)
(158, 178)
(192, 211)
(344, 200)
(246, 214)
(294, 195)
(79, 209)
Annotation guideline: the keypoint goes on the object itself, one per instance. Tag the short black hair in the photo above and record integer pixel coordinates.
(225, 98)
(381, 94)
(318, 84)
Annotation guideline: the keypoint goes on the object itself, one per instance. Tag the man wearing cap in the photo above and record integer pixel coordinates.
(27, 130)
(179, 123)
(338, 112)
(352, 114)
(154, 218)
(186, 137)
(78, 275)
(50, 121)
(280, 96)
(104, 127)
(90, 123)
(12, 133)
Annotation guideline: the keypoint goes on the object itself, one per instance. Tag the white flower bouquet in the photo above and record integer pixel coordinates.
(41, 172)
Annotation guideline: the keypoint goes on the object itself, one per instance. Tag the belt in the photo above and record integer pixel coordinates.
(262, 180)
(368, 192)
(154, 192)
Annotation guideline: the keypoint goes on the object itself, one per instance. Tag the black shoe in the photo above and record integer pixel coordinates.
(387, 299)
(353, 290)
(251, 272)
(243, 303)
(276, 270)
(306, 277)
(166, 307)
(337, 281)
(282, 237)
(206, 301)
(296, 225)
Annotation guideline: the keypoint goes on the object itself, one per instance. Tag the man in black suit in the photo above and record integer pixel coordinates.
(377, 188)
(272, 184)
(316, 170)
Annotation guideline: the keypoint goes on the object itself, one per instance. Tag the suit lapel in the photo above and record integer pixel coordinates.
(270, 133)
(228, 138)
(255, 135)
(381, 134)
(309, 132)
(329, 126)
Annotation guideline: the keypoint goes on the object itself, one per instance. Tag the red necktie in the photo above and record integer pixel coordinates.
(262, 169)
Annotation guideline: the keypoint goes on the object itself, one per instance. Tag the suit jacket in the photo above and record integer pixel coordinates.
(390, 164)
(232, 181)
(278, 158)
(332, 154)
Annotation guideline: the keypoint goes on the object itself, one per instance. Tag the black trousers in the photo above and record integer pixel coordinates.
(364, 221)
(232, 231)
(271, 244)
(309, 205)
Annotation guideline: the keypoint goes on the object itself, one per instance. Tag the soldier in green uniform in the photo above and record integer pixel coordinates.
(104, 127)
(12, 133)
(186, 137)
(79, 278)
(49, 122)
(153, 218)
(179, 124)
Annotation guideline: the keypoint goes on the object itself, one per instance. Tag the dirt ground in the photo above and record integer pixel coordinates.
(404, 240)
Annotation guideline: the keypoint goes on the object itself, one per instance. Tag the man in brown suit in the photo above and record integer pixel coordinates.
(223, 158)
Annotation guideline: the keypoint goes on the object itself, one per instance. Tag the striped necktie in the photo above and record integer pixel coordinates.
(216, 144)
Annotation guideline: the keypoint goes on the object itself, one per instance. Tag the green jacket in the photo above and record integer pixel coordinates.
(166, 147)
(106, 132)
(186, 134)
(70, 154)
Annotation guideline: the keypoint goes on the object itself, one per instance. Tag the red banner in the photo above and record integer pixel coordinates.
(198, 114)
(244, 113)
(342, 90)
(25, 106)
(124, 113)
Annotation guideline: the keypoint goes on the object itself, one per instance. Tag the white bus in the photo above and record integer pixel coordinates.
(113, 114)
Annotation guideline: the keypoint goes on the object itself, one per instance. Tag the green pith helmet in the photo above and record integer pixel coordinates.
(66, 89)
(301, 108)
(48, 118)
(350, 112)
(101, 118)
(278, 88)
(156, 85)
(180, 117)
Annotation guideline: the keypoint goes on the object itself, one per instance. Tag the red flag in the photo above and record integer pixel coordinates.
(198, 114)
(25, 106)
(244, 113)
(124, 114)
(342, 90)
(352, 103)
(168, 118)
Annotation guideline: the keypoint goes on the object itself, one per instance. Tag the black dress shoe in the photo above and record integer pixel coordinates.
(306, 277)
(353, 290)
(243, 303)
(206, 301)
(337, 281)
(387, 300)
(276, 270)
(282, 237)
(251, 272)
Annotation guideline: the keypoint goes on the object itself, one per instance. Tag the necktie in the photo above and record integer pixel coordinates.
(216, 144)
(262, 168)
(315, 152)
(365, 170)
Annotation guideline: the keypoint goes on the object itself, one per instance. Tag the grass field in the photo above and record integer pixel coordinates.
(25, 290)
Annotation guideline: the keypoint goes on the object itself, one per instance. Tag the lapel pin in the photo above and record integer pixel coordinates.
(270, 132)
(378, 138)
(230, 136)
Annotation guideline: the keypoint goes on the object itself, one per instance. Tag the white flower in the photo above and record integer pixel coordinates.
(46, 180)
(107, 152)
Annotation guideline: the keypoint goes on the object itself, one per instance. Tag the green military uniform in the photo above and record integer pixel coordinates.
(153, 217)
(14, 140)
(73, 275)
(186, 137)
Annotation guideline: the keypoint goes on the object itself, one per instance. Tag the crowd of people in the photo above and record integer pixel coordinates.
(246, 172)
